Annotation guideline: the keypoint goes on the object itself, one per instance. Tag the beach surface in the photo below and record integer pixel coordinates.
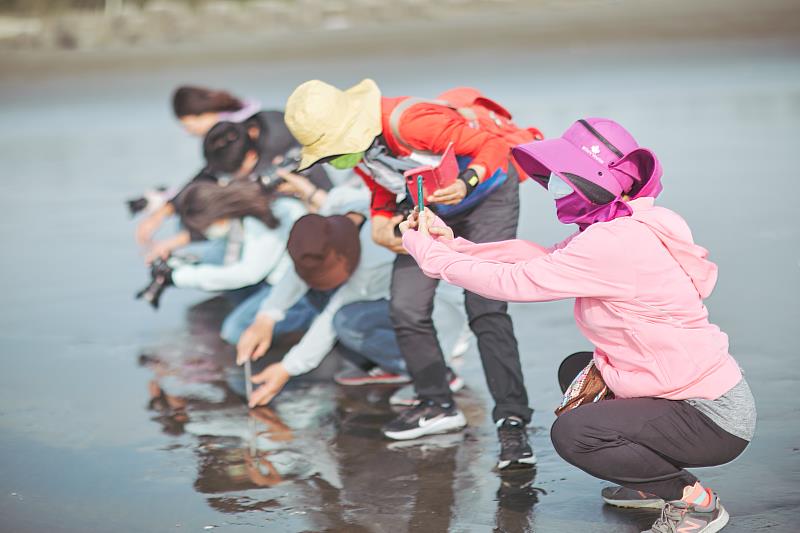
(114, 417)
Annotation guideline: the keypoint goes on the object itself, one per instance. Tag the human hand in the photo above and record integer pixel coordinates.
(295, 184)
(410, 223)
(255, 472)
(450, 195)
(159, 250)
(428, 224)
(383, 233)
(163, 249)
(272, 380)
(275, 430)
(149, 225)
(256, 340)
(435, 227)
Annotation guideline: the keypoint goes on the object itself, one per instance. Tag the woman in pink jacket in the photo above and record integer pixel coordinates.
(638, 281)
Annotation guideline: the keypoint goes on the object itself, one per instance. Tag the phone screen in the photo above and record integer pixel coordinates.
(420, 192)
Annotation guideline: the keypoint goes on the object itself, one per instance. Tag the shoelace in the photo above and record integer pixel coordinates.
(669, 520)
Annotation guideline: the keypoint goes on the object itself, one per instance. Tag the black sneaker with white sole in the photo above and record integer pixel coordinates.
(425, 418)
(515, 452)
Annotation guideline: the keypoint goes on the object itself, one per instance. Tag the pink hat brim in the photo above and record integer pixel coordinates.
(539, 158)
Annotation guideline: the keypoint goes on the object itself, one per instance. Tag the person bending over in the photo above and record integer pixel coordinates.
(247, 150)
(251, 227)
(197, 109)
(383, 137)
(336, 253)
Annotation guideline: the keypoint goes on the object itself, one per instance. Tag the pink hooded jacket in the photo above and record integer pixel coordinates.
(638, 283)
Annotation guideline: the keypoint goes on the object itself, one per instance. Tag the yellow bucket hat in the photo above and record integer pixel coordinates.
(328, 121)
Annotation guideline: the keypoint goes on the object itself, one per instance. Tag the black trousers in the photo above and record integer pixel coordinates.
(494, 219)
(642, 443)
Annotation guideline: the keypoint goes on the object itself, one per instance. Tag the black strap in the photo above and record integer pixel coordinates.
(601, 138)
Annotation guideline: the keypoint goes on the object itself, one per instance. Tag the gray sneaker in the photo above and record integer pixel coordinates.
(679, 516)
(634, 499)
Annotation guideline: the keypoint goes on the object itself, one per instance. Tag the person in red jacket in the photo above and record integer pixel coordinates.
(382, 137)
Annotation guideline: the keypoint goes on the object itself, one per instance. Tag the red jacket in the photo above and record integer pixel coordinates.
(432, 127)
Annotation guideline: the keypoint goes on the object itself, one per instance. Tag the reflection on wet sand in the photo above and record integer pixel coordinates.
(317, 454)
(516, 496)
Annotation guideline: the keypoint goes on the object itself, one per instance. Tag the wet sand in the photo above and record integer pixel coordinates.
(116, 418)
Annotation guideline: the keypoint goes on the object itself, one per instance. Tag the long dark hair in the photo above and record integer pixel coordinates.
(188, 100)
(206, 202)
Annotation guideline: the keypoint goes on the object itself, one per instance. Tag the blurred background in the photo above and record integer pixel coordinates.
(117, 418)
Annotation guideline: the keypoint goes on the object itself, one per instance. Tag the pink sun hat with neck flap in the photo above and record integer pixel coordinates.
(598, 158)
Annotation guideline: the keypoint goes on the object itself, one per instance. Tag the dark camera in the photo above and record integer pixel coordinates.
(136, 205)
(270, 180)
(140, 203)
(161, 274)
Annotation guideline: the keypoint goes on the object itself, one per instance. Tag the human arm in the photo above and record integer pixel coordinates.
(593, 266)
(510, 251)
(262, 250)
(257, 338)
(301, 187)
(383, 232)
(284, 294)
(562, 244)
(150, 224)
(305, 355)
(163, 249)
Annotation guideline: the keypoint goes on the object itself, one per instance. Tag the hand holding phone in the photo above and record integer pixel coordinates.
(434, 177)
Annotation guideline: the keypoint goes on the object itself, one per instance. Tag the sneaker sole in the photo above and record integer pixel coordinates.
(457, 385)
(443, 425)
(720, 522)
(519, 464)
(402, 402)
(636, 504)
(372, 381)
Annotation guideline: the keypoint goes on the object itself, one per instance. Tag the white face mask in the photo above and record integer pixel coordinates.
(218, 230)
(558, 188)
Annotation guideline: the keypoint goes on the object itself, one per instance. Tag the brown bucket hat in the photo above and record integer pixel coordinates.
(325, 250)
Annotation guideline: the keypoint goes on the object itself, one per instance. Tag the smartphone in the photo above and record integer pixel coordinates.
(420, 193)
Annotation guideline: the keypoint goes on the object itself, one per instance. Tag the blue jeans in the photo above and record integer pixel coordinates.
(210, 252)
(298, 317)
(366, 336)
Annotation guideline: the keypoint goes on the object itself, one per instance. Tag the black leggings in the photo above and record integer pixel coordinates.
(641, 443)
